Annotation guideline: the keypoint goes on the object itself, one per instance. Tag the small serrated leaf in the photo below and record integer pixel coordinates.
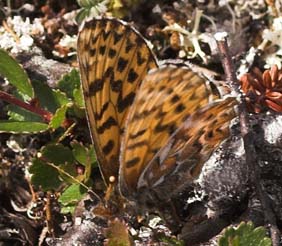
(15, 74)
(49, 99)
(57, 154)
(78, 97)
(69, 83)
(61, 97)
(44, 176)
(22, 127)
(245, 234)
(82, 154)
(59, 117)
(73, 194)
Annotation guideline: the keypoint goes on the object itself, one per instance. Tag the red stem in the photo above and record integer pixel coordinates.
(46, 115)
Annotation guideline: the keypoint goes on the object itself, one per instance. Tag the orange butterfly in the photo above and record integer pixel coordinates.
(152, 131)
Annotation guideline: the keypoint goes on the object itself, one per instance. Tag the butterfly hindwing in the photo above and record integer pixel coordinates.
(180, 161)
(113, 59)
(167, 98)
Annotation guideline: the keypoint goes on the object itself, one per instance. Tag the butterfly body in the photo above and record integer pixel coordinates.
(152, 131)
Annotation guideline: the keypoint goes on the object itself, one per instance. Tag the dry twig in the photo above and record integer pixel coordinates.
(248, 139)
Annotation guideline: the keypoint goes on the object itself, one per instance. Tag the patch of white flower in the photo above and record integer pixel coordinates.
(22, 39)
(275, 37)
(68, 41)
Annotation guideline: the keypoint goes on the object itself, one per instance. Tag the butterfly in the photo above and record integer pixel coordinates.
(153, 127)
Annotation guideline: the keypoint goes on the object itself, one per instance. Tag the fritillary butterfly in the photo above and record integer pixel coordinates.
(154, 130)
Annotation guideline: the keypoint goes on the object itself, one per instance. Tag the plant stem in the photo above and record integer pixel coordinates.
(46, 115)
(248, 138)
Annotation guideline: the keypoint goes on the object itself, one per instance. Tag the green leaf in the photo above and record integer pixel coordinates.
(70, 197)
(91, 8)
(61, 97)
(57, 154)
(245, 234)
(73, 194)
(58, 117)
(44, 176)
(68, 173)
(16, 75)
(59, 163)
(69, 83)
(17, 113)
(84, 156)
(81, 15)
(77, 112)
(78, 97)
(22, 127)
(171, 241)
(70, 208)
(88, 3)
(49, 99)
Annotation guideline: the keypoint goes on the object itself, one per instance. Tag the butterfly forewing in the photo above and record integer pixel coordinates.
(113, 60)
(168, 96)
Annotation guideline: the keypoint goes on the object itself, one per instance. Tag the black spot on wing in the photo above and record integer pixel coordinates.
(109, 73)
(92, 51)
(129, 45)
(180, 108)
(132, 76)
(116, 85)
(112, 53)
(90, 24)
(132, 162)
(105, 34)
(175, 99)
(139, 41)
(140, 59)
(102, 23)
(122, 63)
(107, 125)
(117, 37)
(138, 144)
(108, 147)
(170, 128)
(122, 104)
(98, 116)
(137, 134)
(102, 49)
(95, 86)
